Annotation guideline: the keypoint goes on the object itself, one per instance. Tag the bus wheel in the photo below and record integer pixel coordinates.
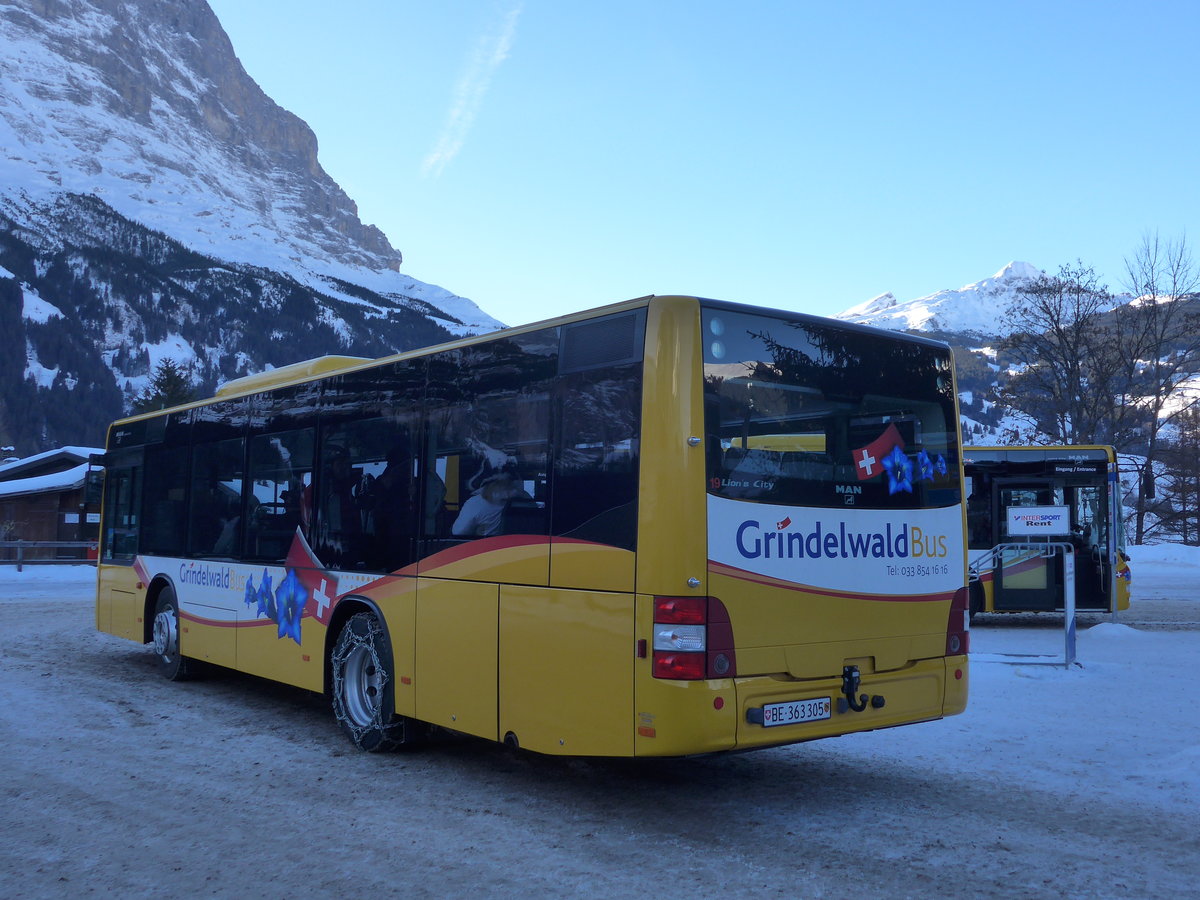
(171, 663)
(361, 665)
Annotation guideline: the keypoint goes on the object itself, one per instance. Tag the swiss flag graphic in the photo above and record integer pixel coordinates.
(321, 586)
(868, 460)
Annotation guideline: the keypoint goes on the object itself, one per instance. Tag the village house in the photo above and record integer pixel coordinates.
(51, 496)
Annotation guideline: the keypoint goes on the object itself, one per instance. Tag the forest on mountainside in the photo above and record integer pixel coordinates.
(98, 300)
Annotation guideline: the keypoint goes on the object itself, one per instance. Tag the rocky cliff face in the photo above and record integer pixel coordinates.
(146, 99)
(154, 203)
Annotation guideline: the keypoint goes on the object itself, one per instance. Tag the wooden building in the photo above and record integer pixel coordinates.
(51, 496)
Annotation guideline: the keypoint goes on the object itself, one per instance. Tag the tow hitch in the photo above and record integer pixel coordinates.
(851, 680)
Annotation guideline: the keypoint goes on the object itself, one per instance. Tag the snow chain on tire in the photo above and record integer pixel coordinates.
(363, 644)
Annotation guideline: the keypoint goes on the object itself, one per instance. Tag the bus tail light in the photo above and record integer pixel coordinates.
(681, 666)
(681, 610)
(693, 639)
(958, 625)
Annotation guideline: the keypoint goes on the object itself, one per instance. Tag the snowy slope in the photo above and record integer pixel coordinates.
(974, 308)
(143, 104)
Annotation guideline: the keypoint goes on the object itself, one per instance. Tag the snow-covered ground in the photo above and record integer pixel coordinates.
(1056, 782)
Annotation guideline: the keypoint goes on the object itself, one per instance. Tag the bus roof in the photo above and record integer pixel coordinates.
(309, 368)
(1039, 452)
(323, 366)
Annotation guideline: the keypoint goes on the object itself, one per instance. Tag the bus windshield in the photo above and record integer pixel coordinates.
(805, 413)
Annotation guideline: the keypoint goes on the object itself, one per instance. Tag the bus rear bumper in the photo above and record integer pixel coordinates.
(780, 710)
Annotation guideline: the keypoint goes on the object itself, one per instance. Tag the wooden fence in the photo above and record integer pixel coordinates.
(40, 553)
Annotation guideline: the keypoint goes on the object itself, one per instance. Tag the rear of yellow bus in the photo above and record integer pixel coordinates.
(834, 596)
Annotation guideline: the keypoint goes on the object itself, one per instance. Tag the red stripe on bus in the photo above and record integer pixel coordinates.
(744, 575)
(480, 547)
(215, 623)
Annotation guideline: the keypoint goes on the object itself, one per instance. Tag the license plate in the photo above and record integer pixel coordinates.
(795, 711)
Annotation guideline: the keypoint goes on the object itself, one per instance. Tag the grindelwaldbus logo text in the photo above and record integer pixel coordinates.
(836, 541)
(859, 550)
(204, 575)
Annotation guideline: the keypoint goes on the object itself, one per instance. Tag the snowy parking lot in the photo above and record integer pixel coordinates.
(1081, 782)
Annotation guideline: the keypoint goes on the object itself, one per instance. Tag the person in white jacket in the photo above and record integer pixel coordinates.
(483, 513)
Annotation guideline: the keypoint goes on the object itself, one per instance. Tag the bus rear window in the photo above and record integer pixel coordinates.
(808, 413)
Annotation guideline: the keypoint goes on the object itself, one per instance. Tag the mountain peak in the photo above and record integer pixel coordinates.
(874, 306)
(144, 104)
(972, 308)
(156, 204)
(1018, 270)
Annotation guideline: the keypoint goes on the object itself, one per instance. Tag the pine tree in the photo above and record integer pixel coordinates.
(170, 385)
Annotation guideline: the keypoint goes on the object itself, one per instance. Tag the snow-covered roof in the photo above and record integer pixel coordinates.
(68, 457)
(67, 480)
(40, 475)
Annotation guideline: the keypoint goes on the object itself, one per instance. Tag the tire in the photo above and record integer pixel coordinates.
(362, 671)
(172, 664)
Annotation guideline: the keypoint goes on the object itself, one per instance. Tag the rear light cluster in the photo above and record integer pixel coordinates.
(693, 639)
(958, 626)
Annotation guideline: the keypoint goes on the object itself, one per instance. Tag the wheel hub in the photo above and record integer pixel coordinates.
(362, 688)
(165, 635)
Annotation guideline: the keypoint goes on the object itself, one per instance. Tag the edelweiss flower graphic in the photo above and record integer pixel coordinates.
(899, 470)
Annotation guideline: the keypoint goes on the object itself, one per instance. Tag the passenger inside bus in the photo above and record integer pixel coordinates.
(341, 524)
(1081, 537)
(229, 518)
(484, 511)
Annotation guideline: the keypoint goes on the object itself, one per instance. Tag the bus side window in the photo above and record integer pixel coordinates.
(395, 502)
(122, 511)
(164, 501)
(280, 481)
(493, 454)
(215, 517)
(487, 428)
(366, 512)
(596, 467)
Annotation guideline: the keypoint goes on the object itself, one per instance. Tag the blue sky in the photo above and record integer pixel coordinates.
(541, 157)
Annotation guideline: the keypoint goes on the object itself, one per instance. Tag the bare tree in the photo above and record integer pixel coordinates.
(1069, 371)
(1179, 488)
(1159, 340)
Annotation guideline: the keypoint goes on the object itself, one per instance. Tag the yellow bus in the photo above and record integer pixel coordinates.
(1016, 497)
(664, 527)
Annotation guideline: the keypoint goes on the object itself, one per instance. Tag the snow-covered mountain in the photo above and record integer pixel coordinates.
(971, 318)
(144, 104)
(972, 309)
(155, 202)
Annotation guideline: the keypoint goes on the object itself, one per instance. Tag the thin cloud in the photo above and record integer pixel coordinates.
(489, 53)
